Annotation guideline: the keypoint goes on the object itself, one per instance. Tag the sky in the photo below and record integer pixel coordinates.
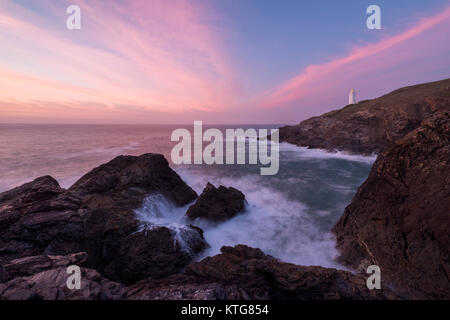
(219, 61)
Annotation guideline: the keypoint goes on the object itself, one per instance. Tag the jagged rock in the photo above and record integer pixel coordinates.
(52, 285)
(400, 217)
(126, 180)
(150, 290)
(155, 252)
(32, 221)
(242, 272)
(28, 198)
(370, 126)
(95, 215)
(217, 204)
(35, 264)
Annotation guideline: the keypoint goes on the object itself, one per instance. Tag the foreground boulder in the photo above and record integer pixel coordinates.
(126, 180)
(34, 221)
(45, 278)
(96, 215)
(370, 126)
(217, 204)
(242, 272)
(400, 217)
(51, 285)
(28, 198)
(35, 264)
(155, 252)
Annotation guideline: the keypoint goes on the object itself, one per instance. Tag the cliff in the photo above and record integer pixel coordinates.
(399, 219)
(370, 126)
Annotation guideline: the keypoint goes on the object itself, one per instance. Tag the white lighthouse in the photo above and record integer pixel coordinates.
(351, 97)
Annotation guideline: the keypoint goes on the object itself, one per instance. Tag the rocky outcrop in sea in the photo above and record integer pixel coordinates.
(217, 204)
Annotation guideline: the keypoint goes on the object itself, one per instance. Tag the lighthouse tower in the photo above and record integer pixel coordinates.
(351, 97)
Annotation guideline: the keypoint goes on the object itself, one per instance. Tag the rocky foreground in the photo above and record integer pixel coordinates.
(371, 126)
(44, 229)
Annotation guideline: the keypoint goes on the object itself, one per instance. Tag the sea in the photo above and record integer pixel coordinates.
(288, 215)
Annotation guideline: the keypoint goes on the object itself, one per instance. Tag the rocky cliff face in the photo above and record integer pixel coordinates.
(372, 125)
(400, 217)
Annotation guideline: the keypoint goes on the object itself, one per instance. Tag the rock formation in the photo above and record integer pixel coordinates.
(246, 273)
(31, 265)
(399, 219)
(217, 204)
(51, 285)
(371, 125)
(96, 215)
(154, 252)
(44, 278)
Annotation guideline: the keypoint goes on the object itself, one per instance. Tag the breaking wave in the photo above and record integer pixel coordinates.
(288, 216)
(277, 225)
(157, 211)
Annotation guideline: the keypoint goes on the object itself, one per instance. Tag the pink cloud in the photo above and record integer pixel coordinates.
(324, 78)
(154, 55)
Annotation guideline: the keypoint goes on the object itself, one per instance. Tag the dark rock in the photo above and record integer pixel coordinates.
(177, 288)
(400, 217)
(95, 215)
(110, 193)
(32, 221)
(52, 285)
(371, 125)
(126, 180)
(35, 264)
(155, 252)
(246, 273)
(217, 204)
(28, 198)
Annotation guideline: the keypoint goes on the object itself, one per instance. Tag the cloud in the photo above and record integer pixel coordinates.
(158, 55)
(319, 81)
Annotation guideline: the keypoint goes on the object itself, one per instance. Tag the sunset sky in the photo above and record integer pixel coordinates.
(223, 61)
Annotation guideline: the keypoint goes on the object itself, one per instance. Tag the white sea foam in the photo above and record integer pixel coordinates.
(157, 211)
(278, 226)
(306, 153)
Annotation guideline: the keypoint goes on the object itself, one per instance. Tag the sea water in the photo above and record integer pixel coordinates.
(288, 215)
